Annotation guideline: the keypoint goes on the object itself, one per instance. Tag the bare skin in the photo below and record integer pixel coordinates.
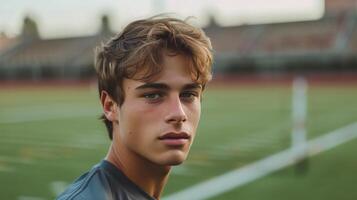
(155, 126)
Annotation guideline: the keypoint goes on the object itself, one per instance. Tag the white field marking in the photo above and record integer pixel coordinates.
(80, 141)
(29, 198)
(261, 168)
(57, 187)
(267, 134)
(254, 143)
(247, 144)
(40, 113)
(250, 143)
(182, 170)
(95, 138)
(48, 116)
(44, 108)
(50, 144)
(13, 159)
(198, 161)
(6, 169)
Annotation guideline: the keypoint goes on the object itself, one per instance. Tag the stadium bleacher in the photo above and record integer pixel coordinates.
(326, 44)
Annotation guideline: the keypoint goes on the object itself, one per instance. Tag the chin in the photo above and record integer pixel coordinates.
(173, 158)
(175, 162)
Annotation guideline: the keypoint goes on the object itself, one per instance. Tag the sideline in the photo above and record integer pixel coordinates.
(261, 168)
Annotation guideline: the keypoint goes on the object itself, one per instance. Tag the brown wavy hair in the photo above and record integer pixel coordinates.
(139, 48)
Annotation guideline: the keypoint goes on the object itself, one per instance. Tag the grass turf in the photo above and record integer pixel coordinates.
(51, 134)
(330, 175)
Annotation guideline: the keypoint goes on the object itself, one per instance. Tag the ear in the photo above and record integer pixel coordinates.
(110, 107)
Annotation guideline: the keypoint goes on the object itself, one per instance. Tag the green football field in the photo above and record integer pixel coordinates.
(49, 135)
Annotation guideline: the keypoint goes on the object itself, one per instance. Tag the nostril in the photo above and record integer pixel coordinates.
(176, 119)
(176, 113)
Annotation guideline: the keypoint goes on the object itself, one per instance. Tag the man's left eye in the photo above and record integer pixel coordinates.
(188, 95)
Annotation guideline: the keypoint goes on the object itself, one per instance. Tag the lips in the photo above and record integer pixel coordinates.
(172, 135)
(175, 139)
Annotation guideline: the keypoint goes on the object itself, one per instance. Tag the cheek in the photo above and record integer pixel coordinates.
(194, 113)
(138, 119)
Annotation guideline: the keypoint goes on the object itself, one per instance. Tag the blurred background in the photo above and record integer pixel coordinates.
(285, 84)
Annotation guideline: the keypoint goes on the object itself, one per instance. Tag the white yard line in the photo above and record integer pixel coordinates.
(6, 169)
(182, 170)
(57, 187)
(29, 198)
(47, 116)
(261, 168)
(46, 112)
(90, 146)
(18, 160)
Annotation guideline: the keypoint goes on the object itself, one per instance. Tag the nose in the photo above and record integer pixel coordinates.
(176, 113)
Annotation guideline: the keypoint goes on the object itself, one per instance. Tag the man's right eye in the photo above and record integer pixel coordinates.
(152, 96)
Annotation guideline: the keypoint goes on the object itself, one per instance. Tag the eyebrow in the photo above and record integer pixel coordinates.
(192, 86)
(153, 86)
(164, 86)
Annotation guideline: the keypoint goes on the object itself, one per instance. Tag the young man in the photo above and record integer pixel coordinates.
(151, 77)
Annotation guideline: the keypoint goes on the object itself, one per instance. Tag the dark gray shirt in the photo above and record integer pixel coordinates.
(104, 182)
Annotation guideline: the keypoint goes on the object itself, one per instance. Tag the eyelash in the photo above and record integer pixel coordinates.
(192, 94)
(159, 95)
(147, 96)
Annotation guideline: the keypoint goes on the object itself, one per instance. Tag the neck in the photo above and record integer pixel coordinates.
(150, 177)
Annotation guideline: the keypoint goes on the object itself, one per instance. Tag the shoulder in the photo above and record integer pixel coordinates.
(92, 185)
(105, 182)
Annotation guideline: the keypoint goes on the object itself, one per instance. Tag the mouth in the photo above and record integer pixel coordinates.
(175, 138)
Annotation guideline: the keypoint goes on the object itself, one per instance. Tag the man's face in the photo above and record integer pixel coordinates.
(158, 119)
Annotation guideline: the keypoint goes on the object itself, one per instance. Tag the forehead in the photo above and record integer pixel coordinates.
(169, 63)
(176, 65)
(176, 71)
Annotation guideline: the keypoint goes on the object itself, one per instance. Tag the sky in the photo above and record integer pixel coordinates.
(66, 18)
